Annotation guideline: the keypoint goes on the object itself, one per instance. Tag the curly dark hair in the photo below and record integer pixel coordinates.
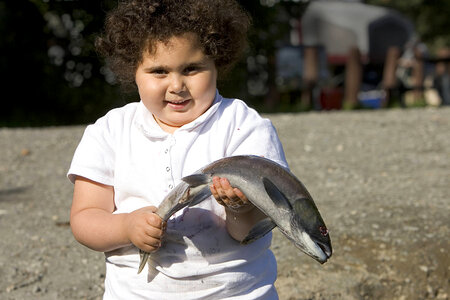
(136, 26)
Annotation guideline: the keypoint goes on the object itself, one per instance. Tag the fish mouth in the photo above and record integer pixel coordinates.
(319, 250)
(327, 251)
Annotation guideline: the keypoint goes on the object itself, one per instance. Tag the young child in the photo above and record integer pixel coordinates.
(130, 159)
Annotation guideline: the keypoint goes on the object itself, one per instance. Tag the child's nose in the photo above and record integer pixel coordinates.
(176, 84)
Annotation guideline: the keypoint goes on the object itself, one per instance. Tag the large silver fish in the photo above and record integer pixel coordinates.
(271, 188)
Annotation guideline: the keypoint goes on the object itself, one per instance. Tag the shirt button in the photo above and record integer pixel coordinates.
(170, 186)
(167, 169)
(166, 151)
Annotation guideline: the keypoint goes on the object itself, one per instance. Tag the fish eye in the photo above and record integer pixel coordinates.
(323, 230)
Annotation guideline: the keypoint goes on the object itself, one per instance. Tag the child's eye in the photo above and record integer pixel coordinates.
(159, 72)
(191, 70)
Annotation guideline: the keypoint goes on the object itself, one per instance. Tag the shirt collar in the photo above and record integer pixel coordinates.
(147, 124)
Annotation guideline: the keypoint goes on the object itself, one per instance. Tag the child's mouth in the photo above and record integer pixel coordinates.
(178, 104)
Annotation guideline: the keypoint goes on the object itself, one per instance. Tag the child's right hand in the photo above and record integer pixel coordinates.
(144, 228)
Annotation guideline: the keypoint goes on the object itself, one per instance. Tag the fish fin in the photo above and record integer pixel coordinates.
(144, 258)
(261, 228)
(276, 195)
(301, 205)
(196, 179)
(307, 211)
(204, 193)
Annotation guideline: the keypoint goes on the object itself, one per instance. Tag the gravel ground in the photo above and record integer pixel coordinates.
(379, 178)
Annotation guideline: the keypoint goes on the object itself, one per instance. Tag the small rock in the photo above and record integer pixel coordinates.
(10, 288)
(441, 295)
(424, 268)
(410, 228)
(25, 152)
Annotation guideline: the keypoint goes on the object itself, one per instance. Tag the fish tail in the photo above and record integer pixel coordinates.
(144, 258)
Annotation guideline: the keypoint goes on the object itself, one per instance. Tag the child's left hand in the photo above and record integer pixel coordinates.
(230, 197)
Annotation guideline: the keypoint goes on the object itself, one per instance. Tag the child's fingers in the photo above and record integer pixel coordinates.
(217, 183)
(147, 241)
(154, 232)
(226, 195)
(234, 194)
(144, 228)
(240, 195)
(230, 197)
(216, 195)
(216, 190)
(151, 245)
(221, 187)
(152, 238)
(227, 190)
(154, 220)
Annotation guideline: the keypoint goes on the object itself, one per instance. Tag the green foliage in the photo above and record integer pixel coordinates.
(54, 76)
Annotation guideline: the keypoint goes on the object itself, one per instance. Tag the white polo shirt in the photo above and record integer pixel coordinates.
(198, 260)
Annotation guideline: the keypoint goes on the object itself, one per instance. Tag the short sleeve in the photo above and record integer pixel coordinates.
(94, 157)
(254, 135)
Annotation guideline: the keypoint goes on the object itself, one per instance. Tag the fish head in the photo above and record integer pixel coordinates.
(308, 230)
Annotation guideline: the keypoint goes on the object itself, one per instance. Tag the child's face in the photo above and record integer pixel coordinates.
(176, 83)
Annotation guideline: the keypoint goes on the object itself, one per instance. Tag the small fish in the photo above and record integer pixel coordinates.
(271, 188)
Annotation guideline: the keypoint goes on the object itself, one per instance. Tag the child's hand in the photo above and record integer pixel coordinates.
(145, 229)
(230, 197)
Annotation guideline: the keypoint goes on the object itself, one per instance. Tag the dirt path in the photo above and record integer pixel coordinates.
(380, 179)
